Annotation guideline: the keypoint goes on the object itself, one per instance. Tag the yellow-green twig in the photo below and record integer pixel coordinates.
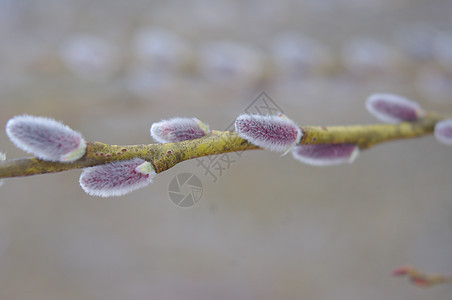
(165, 156)
(366, 136)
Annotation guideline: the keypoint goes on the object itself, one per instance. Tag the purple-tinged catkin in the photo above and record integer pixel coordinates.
(117, 178)
(178, 129)
(443, 132)
(393, 109)
(46, 138)
(274, 133)
(325, 154)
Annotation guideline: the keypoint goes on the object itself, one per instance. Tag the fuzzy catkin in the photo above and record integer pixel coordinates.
(274, 133)
(46, 138)
(116, 178)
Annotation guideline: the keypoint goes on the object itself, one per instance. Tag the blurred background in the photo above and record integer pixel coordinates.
(266, 227)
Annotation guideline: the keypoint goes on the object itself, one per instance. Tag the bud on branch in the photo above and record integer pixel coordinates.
(117, 178)
(443, 132)
(326, 154)
(178, 129)
(46, 138)
(274, 133)
(393, 109)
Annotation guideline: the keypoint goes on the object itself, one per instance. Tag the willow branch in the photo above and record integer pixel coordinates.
(165, 156)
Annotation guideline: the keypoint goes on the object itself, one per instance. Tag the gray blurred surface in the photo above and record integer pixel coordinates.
(269, 227)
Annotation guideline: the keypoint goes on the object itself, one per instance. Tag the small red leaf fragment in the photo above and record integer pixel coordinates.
(421, 279)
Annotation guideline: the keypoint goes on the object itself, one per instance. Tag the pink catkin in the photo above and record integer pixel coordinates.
(178, 129)
(325, 154)
(45, 138)
(275, 133)
(116, 178)
(393, 109)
